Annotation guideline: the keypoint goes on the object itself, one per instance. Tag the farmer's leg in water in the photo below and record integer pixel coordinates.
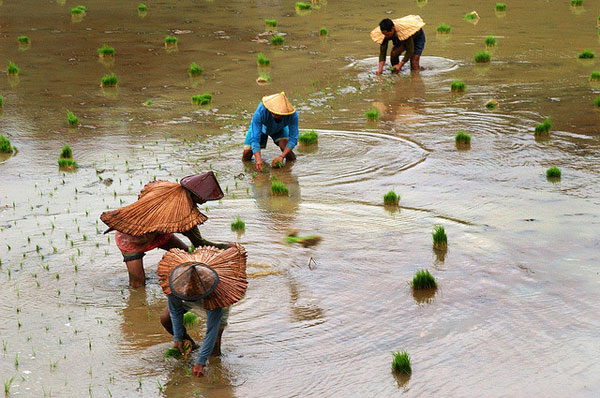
(213, 320)
(419, 46)
(165, 320)
(395, 57)
(247, 154)
(224, 318)
(281, 138)
(135, 268)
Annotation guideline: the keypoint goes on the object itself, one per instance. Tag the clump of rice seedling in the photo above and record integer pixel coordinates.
(68, 164)
(7, 385)
(195, 70)
(5, 146)
(597, 101)
(443, 28)
(500, 7)
(71, 118)
(462, 138)
(401, 362)
(202, 99)
(277, 40)
(276, 164)
(595, 76)
(1, 101)
(543, 128)
(482, 56)
(440, 240)
(106, 51)
(271, 22)
(458, 86)
(24, 40)
(491, 104)
(323, 32)
(109, 80)
(142, 7)
(66, 152)
(12, 69)
(576, 3)
(372, 114)
(261, 60)
(77, 11)
(278, 188)
(172, 353)
(423, 280)
(471, 16)
(263, 79)
(171, 40)
(553, 172)
(190, 319)
(238, 224)
(490, 41)
(148, 102)
(305, 241)
(303, 6)
(391, 198)
(586, 54)
(308, 138)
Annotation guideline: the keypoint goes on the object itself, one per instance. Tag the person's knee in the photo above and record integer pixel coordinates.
(165, 318)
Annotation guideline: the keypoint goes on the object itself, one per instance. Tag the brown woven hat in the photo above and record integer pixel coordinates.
(192, 281)
(278, 104)
(205, 186)
(162, 206)
(228, 264)
(405, 28)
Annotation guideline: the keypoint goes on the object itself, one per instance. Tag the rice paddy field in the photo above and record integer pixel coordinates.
(515, 312)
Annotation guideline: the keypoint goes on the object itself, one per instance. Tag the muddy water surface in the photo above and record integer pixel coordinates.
(516, 311)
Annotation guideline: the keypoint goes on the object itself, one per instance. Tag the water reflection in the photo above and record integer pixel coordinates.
(140, 325)
(301, 310)
(280, 209)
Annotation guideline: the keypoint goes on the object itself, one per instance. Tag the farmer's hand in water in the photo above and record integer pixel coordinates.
(198, 370)
(179, 346)
(277, 159)
(379, 71)
(397, 67)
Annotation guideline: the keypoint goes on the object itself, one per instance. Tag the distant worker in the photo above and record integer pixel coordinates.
(274, 117)
(407, 36)
(162, 209)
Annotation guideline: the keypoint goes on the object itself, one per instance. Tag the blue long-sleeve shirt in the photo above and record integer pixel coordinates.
(213, 321)
(264, 123)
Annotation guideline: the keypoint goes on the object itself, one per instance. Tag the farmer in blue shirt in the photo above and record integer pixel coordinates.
(274, 117)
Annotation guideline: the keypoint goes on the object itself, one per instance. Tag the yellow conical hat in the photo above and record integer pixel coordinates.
(405, 28)
(278, 104)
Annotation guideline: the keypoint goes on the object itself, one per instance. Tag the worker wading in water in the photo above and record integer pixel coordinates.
(406, 35)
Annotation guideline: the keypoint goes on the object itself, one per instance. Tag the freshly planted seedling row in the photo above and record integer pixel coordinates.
(372, 114)
(171, 40)
(323, 32)
(423, 280)
(309, 137)
(543, 128)
(440, 240)
(109, 80)
(271, 22)
(142, 7)
(482, 57)
(261, 60)
(71, 118)
(303, 6)
(23, 40)
(202, 99)
(462, 138)
(401, 362)
(490, 41)
(5, 146)
(238, 224)
(12, 69)
(278, 188)
(277, 40)
(553, 173)
(458, 86)
(586, 54)
(595, 76)
(106, 51)
(391, 198)
(443, 28)
(195, 70)
(500, 7)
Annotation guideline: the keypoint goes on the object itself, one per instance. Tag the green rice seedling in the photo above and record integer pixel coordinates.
(5, 146)
(190, 319)
(71, 118)
(171, 40)
(238, 224)
(305, 241)
(263, 79)
(423, 280)
(148, 102)
(440, 240)
(202, 99)
(7, 385)
(443, 28)
(195, 70)
(277, 40)
(401, 362)
(142, 7)
(586, 54)
(597, 102)
(109, 80)
(78, 11)
(471, 16)
(594, 77)
(1, 101)
(261, 60)
(323, 32)
(543, 128)
(106, 51)
(576, 3)
(500, 7)
(490, 41)
(12, 69)
(68, 164)
(458, 86)
(278, 188)
(17, 355)
(303, 6)
(482, 56)
(372, 114)
(391, 198)
(308, 138)
(169, 353)
(271, 22)
(462, 138)
(23, 40)
(66, 152)
(553, 173)
(491, 104)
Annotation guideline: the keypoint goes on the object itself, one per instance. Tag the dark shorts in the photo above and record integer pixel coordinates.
(419, 40)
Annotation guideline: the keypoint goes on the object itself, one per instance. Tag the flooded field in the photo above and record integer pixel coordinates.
(515, 313)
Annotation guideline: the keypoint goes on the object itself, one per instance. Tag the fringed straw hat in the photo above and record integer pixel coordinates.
(405, 28)
(162, 206)
(278, 104)
(215, 275)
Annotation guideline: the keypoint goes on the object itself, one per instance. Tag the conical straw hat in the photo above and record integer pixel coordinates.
(405, 28)
(278, 104)
(229, 264)
(162, 206)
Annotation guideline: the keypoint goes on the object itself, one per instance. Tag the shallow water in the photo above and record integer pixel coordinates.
(515, 314)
